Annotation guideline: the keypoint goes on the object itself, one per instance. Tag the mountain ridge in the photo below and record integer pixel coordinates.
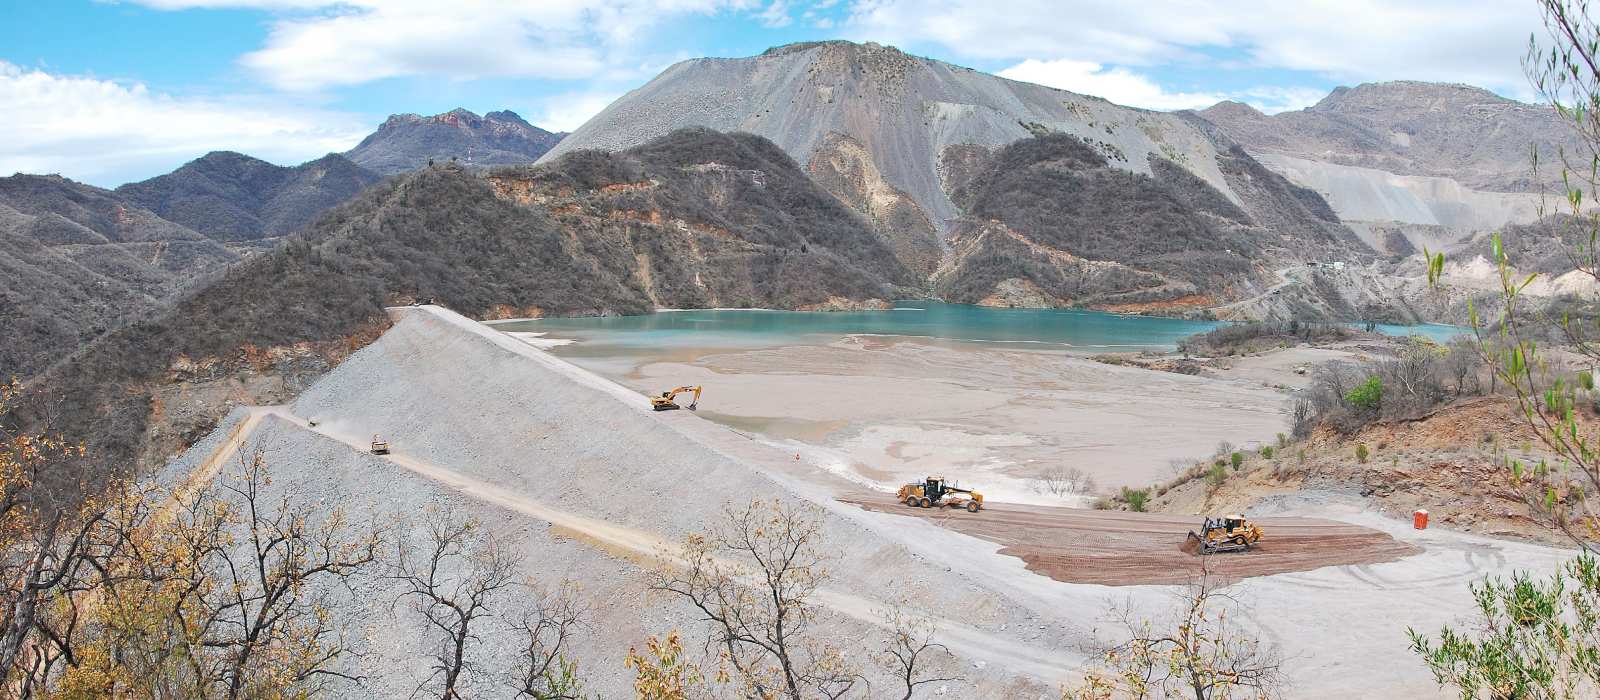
(232, 196)
(408, 141)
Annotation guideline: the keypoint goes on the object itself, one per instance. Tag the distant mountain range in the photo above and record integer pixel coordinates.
(77, 261)
(408, 141)
(695, 218)
(80, 260)
(897, 137)
(233, 197)
(1409, 164)
(818, 176)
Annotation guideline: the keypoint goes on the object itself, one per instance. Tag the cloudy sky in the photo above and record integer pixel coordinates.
(111, 91)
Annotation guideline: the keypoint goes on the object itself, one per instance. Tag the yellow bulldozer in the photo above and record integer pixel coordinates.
(665, 401)
(1230, 533)
(935, 492)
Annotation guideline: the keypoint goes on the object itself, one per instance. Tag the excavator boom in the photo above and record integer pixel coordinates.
(665, 402)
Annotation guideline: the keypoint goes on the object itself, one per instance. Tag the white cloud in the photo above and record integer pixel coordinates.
(317, 44)
(1478, 42)
(1116, 84)
(105, 132)
(776, 15)
(1272, 99)
(568, 112)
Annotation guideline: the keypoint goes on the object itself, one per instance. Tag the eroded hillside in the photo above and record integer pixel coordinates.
(1050, 222)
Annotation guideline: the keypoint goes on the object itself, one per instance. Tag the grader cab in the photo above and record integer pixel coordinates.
(935, 492)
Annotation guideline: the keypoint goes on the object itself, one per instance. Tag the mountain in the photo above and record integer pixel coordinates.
(77, 261)
(897, 137)
(409, 141)
(1460, 132)
(233, 197)
(694, 218)
(1409, 163)
(1049, 221)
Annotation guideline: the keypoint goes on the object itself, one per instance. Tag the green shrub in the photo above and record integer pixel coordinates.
(1237, 459)
(1362, 453)
(1368, 395)
(1283, 440)
(1267, 452)
(1532, 637)
(1136, 498)
(1216, 475)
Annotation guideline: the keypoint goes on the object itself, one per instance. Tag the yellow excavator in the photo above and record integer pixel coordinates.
(1230, 533)
(665, 401)
(935, 492)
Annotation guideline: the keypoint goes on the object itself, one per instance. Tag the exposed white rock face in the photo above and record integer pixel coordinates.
(1366, 194)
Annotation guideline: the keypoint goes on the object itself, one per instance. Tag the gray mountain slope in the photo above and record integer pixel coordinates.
(1410, 164)
(1467, 134)
(833, 105)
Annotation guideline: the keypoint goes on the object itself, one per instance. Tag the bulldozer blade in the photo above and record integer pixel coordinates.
(1192, 544)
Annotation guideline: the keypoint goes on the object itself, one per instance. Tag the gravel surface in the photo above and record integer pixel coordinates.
(1116, 548)
(486, 426)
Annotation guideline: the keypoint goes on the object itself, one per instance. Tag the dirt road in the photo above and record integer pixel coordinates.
(1116, 548)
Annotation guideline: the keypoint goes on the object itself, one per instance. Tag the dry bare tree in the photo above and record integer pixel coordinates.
(1199, 651)
(449, 579)
(52, 543)
(910, 653)
(545, 670)
(228, 595)
(1061, 480)
(274, 598)
(752, 578)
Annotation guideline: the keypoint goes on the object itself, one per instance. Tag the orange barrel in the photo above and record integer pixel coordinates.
(1419, 519)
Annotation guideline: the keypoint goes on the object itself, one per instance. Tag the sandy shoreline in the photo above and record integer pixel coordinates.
(885, 410)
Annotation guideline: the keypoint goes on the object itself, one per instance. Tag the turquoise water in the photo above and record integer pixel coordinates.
(1088, 331)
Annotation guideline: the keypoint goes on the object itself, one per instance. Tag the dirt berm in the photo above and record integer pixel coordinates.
(1115, 548)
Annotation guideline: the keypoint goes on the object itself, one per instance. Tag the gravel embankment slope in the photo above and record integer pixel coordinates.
(591, 484)
(587, 480)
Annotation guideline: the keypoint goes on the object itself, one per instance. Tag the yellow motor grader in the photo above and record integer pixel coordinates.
(935, 492)
(1230, 533)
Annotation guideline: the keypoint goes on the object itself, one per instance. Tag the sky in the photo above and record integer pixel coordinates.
(113, 91)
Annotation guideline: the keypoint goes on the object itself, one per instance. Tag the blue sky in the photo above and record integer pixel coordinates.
(109, 92)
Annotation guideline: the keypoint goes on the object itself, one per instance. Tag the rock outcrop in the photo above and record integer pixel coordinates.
(409, 141)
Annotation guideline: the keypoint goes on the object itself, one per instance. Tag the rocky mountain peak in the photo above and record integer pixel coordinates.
(409, 141)
(506, 115)
(1233, 110)
(1408, 95)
